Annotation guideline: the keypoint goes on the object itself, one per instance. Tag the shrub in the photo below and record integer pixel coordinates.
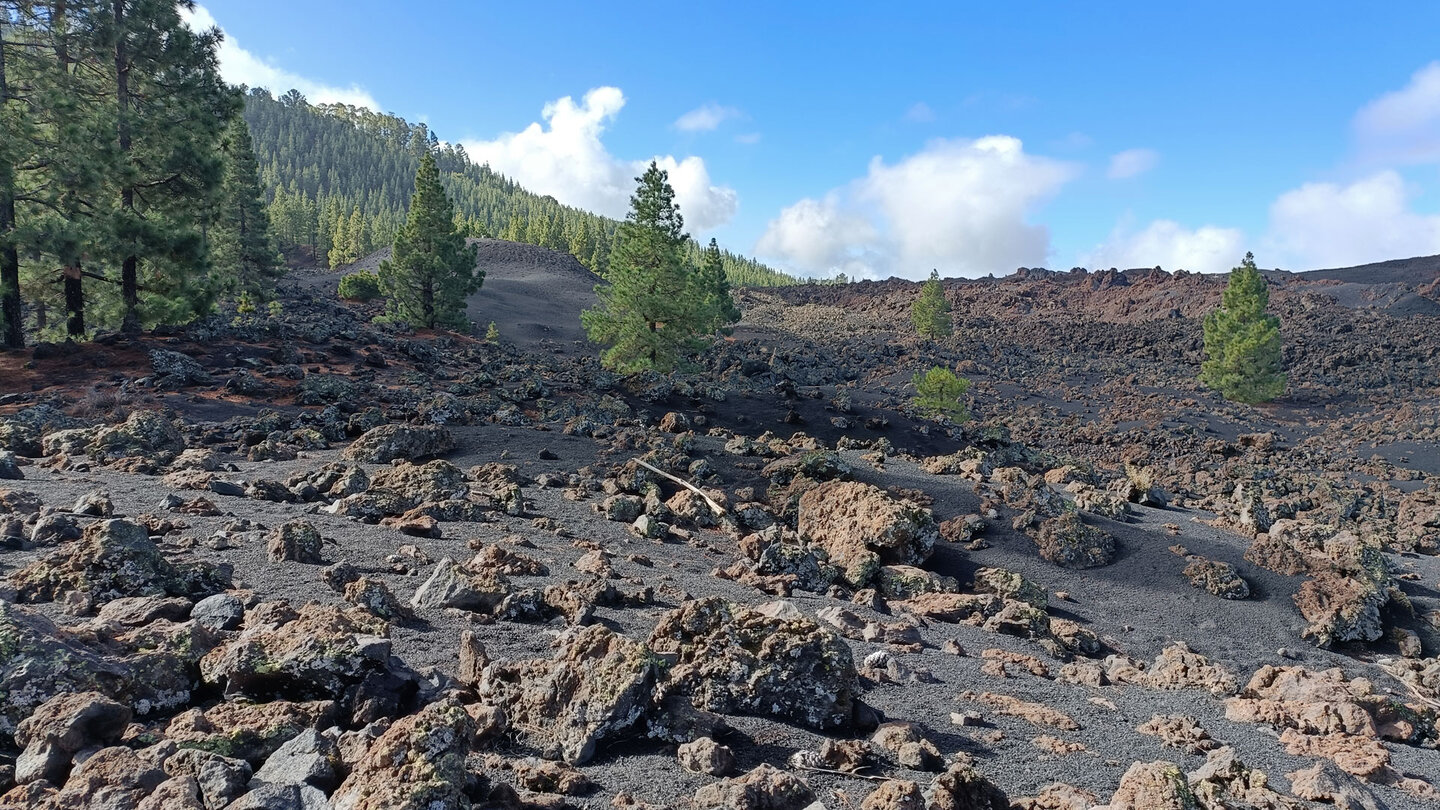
(492, 334)
(361, 286)
(938, 392)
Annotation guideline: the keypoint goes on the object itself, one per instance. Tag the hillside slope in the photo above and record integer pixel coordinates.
(531, 294)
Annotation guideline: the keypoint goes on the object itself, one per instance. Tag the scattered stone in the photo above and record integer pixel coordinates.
(1069, 542)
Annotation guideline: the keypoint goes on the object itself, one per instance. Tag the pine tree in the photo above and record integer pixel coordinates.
(649, 313)
(714, 289)
(432, 270)
(242, 251)
(171, 108)
(1242, 340)
(931, 311)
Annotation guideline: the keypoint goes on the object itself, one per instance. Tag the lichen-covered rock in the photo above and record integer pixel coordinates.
(895, 794)
(218, 778)
(861, 528)
(10, 467)
(144, 433)
(764, 788)
(1010, 585)
(114, 558)
(376, 597)
(906, 581)
(295, 541)
(1326, 702)
(1417, 521)
(248, 731)
(1342, 608)
(63, 725)
(735, 660)
(1179, 731)
(437, 480)
(319, 652)
(418, 764)
(115, 777)
(1069, 542)
(598, 687)
(148, 669)
(175, 370)
(387, 443)
(1217, 577)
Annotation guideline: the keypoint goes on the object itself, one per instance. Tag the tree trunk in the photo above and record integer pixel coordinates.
(427, 304)
(129, 278)
(74, 303)
(9, 254)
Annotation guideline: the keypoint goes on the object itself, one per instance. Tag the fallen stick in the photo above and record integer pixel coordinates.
(714, 507)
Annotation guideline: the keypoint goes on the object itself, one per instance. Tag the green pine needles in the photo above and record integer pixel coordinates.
(1242, 341)
(656, 306)
(431, 271)
(931, 311)
(938, 392)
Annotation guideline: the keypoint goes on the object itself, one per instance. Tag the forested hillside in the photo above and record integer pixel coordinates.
(339, 178)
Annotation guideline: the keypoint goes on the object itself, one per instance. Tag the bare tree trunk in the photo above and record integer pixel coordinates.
(74, 303)
(129, 268)
(9, 254)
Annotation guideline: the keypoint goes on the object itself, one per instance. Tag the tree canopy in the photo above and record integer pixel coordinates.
(1242, 340)
(656, 305)
(431, 270)
(931, 311)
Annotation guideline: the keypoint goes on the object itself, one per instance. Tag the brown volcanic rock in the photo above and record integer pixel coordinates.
(862, 528)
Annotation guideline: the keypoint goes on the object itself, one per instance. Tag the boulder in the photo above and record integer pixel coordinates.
(218, 778)
(732, 659)
(114, 558)
(1217, 577)
(1342, 608)
(295, 541)
(764, 788)
(387, 443)
(597, 688)
(174, 370)
(1069, 542)
(437, 480)
(861, 528)
(318, 652)
(1153, 786)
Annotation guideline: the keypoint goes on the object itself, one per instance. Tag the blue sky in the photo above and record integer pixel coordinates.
(964, 137)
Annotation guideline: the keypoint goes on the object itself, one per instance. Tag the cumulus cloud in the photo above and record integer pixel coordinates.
(1168, 244)
(566, 158)
(959, 206)
(1330, 225)
(1403, 126)
(705, 118)
(239, 66)
(1132, 163)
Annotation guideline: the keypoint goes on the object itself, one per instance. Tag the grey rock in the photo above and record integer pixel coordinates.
(219, 612)
(308, 758)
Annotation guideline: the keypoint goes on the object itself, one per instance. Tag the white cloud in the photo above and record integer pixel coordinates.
(920, 113)
(239, 66)
(821, 237)
(1329, 225)
(566, 158)
(1168, 244)
(959, 206)
(1132, 163)
(705, 118)
(1403, 126)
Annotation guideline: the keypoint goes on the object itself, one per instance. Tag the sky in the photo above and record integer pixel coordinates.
(881, 140)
